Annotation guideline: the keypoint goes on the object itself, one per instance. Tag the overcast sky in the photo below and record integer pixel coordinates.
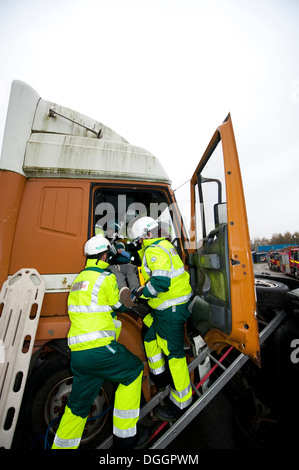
(165, 73)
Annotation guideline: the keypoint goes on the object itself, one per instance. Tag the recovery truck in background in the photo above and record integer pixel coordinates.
(63, 177)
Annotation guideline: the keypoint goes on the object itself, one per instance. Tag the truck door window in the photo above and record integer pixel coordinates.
(211, 238)
(211, 195)
(116, 210)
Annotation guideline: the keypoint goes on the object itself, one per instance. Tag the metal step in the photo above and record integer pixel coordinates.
(215, 388)
(203, 399)
(21, 298)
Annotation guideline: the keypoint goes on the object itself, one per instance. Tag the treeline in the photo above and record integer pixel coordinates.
(276, 239)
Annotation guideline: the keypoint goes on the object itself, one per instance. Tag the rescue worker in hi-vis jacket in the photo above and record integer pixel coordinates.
(168, 292)
(96, 355)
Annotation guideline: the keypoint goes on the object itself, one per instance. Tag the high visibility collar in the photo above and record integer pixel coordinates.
(151, 241)
(148, 242)
(92, 263)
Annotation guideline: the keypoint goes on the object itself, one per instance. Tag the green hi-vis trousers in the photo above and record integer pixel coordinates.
(91, 367)
(166, 337)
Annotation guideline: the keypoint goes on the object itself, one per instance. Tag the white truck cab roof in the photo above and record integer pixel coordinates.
(44, 139)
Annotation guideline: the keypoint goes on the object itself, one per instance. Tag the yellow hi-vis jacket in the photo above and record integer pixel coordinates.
(167, 282)
(92, 300)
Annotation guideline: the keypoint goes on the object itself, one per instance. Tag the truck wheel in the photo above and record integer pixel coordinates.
(45, 398)
(270, 294)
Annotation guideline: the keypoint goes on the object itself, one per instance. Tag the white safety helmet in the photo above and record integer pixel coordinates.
(142, 226)
(95, 245)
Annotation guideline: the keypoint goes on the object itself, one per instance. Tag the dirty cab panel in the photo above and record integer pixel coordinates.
(224, 307)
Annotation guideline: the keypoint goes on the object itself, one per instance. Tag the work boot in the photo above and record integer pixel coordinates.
(144, 435)
(125, 297)
(139, 441)
(164, 413)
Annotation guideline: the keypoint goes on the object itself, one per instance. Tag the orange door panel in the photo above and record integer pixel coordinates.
(224, 308)
(52, 226)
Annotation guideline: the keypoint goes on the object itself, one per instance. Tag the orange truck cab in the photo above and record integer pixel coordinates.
(63, 178)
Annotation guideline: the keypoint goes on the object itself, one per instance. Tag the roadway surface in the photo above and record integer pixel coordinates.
(263, 269)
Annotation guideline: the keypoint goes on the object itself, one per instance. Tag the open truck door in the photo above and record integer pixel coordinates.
(221, 270)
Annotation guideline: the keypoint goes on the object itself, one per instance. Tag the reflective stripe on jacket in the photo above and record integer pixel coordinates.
(167, 282)
(93, 296)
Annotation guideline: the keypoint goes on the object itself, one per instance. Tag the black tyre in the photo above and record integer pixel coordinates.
(270, 294)
(44, 401)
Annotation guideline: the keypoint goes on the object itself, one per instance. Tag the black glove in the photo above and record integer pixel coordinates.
(136, 293)
(141, 310)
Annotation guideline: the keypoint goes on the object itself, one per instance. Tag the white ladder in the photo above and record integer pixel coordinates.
(21, 299)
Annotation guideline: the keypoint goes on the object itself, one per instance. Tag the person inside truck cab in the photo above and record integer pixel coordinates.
(126, 273)
(96, 356)
(169, 292)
